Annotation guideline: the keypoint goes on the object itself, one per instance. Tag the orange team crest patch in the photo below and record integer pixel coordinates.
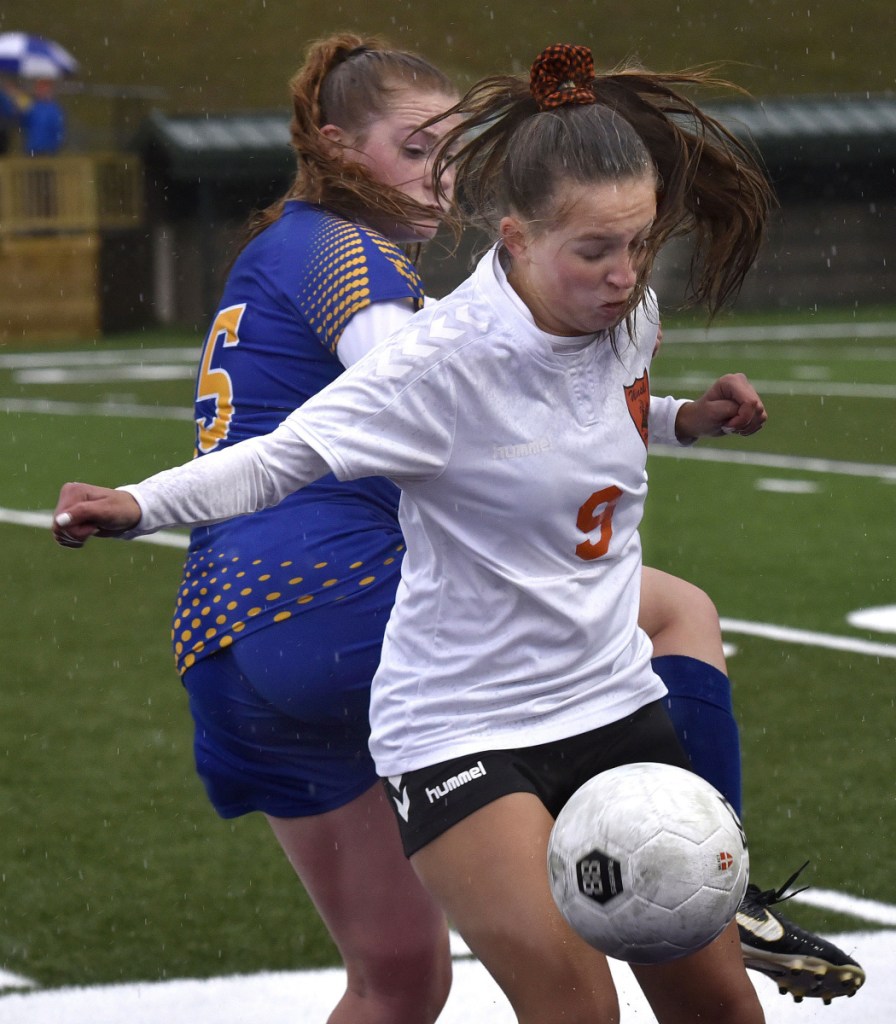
(637, 398)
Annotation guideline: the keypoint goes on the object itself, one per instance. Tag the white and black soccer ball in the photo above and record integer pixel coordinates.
(648, 862)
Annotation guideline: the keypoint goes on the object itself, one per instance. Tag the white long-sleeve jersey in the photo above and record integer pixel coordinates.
(522, 463)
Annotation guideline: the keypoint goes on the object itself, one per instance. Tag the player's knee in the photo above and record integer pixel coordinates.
(410, 978)
(697, 606)
(671, 605)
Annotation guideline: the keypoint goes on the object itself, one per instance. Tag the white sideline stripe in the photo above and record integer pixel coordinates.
(44, 520)
(825, 388)
(808, 638)
(780, 332)
(10, 980)
(769, 460)
(804, 354)
(106, 357)
(776, 485)
(842, 903)
(101, 375)
(129, 410)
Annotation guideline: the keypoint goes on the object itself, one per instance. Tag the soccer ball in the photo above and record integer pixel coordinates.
(648, 862)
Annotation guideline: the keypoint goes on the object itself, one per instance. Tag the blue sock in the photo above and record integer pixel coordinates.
(699, 703)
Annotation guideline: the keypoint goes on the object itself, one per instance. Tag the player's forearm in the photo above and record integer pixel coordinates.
(249, 476)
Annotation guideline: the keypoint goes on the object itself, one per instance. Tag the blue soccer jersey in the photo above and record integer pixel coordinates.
(271, 346)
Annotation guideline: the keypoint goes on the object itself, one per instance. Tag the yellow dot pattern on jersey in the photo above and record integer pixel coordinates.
(398, 260)
(338, 284)
(202, 623)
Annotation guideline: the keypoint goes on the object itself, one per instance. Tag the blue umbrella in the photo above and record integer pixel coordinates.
(34, 57)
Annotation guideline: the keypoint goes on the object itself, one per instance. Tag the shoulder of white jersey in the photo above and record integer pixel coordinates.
(435, 334)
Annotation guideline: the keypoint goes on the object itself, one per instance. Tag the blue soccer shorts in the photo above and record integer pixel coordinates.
(281, 716)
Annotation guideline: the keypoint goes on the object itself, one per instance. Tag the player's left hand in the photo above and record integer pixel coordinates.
(731, 406)
(85, 510)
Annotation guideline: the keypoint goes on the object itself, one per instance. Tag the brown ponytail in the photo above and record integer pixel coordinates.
(349, 81)
(520, 140)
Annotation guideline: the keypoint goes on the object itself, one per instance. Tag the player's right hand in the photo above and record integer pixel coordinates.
(84, 510)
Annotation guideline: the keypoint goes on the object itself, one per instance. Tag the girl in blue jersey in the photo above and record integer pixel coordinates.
(311, 582)
(280, 616)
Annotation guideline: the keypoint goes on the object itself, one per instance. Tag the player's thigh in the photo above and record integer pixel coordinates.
(679, 618)
(489, 872)
(352, 865)
(711, 985)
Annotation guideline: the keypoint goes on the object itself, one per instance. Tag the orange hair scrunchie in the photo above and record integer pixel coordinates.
(562, 74)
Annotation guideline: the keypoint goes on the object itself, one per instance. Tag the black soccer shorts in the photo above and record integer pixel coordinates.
(427, 802)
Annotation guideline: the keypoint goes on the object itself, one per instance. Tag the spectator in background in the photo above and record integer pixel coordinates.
(42, 120)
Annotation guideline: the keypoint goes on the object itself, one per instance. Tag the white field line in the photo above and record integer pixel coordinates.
(819, 388)
(808, 638)
(780, 332)
(97, 375)
(778, 486)
(103, 357)
(126, 410)
(856, 906)
(44, 520)
(804, 354)
(9, 980)
(773, 461)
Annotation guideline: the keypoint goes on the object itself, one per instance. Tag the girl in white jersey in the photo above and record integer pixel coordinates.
(514, 417)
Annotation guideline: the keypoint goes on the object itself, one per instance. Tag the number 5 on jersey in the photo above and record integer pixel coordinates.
(215, 384)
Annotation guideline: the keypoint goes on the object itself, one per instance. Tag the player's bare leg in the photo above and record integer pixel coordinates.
(392, 937)
(489, 872)
(680, 618)
(710, 985)
(683, 623)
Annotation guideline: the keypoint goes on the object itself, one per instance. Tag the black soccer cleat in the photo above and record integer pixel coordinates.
(800, 964)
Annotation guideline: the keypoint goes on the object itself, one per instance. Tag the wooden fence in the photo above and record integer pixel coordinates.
(54, 215)
(70, 193)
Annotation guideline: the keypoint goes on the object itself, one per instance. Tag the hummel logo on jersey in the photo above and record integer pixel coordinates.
(442, 789)
(520, 451)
